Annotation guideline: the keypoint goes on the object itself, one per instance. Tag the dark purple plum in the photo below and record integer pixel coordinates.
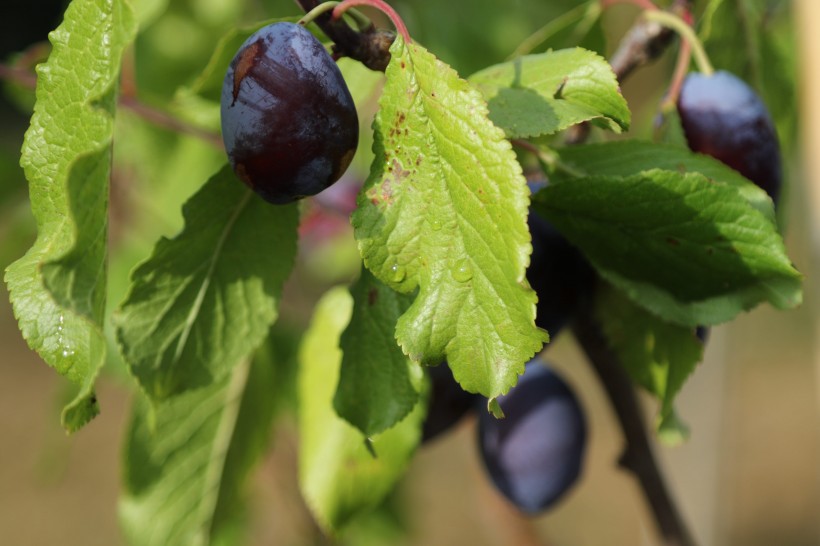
(558, 273)
(449, 403)
(288, 121)
(724, 118)
(535, 453)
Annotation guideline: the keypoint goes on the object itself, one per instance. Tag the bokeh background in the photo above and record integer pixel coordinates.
(747, 476)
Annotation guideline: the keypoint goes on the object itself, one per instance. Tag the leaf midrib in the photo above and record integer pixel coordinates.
(206, 282)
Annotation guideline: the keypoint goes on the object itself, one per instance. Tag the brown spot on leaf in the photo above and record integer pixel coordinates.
(372, 296)
(398, 171)
(672, 241)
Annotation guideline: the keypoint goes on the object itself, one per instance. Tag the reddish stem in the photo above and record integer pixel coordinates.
(18, 75)
(681, 69)
(643, 4)
(379, 5)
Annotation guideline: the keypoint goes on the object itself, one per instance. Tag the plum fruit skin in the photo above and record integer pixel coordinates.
(558, 272)
(535, 453)
(289, 124)
(449, 403)
(724, 118)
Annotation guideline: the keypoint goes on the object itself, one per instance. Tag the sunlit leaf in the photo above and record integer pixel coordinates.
(445, 212)
(58, 288)
(205, 299)
(340, 475)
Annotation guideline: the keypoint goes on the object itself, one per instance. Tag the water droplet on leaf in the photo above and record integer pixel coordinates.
(463, 271)
(397, 273)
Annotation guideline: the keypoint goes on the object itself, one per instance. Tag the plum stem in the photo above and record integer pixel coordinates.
(311, 15)
(670, 20)
(361, 20)
(681, 68)
(379, 5)
(547, 157)
(370, 46)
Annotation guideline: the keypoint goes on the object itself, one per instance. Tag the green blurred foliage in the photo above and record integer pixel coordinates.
(755, 40)
(473, 36)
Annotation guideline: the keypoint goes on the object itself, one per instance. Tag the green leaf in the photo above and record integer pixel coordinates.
(378, 385)
(339, 475)
(688, 249)
(658, 355)
(206, 299)
(187, 459)
(542, 94)
(58, 288)
(623, 158)
(445, 211)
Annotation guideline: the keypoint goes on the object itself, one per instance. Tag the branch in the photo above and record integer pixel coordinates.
(643, 43)
(167, 121)
(370, 46)
(637, 456)
(28, 79)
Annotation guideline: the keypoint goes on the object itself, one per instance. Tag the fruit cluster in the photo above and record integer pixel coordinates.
(290, 129)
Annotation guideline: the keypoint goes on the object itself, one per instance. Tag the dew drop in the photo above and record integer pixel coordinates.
(397, 273)
(436, 224)
(463, 271)
(60, 322)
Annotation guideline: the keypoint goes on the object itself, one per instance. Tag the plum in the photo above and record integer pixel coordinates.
(535, 453)
(289, 124)
(724, 118)
(558, 273)
(449, 403)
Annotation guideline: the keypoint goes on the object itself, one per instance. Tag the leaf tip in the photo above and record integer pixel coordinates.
(495, 408)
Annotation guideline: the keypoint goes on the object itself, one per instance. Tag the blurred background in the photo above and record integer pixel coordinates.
(747, 476)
